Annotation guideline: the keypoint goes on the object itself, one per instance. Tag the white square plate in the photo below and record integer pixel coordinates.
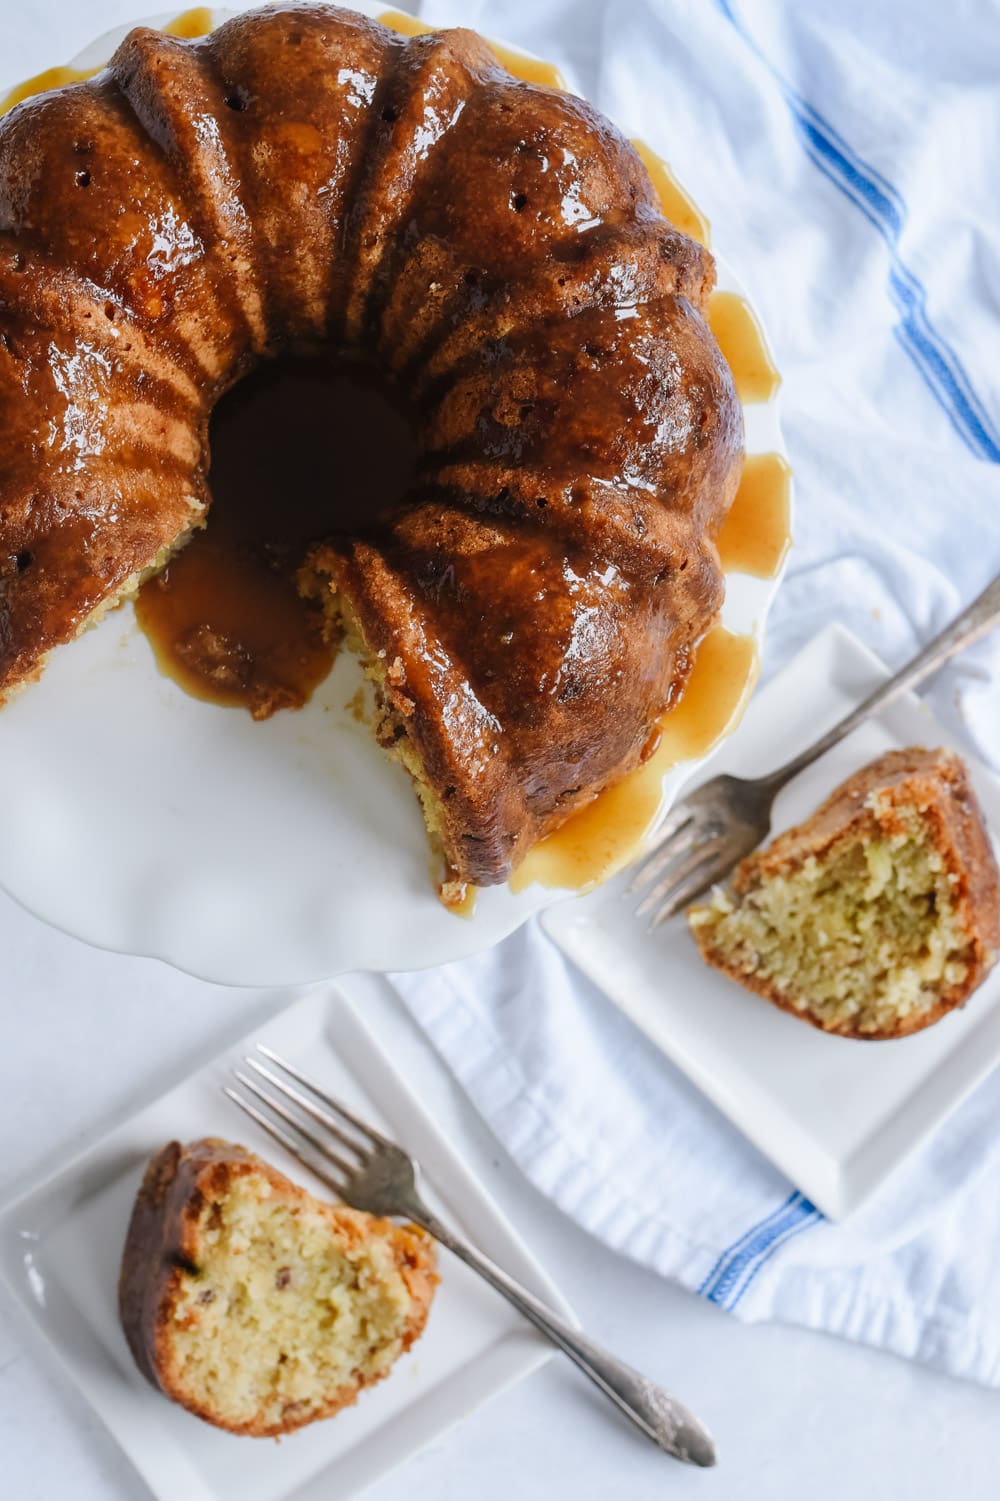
(60, 1246)
(837, 1116)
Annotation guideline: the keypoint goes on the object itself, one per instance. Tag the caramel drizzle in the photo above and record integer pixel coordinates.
(602, 837)
(192, 23)
(527, 69)
(756, 536)
(741, 339)
(677, 204)
(406, 25)
(51, 78)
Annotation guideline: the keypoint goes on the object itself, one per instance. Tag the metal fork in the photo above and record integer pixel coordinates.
(719, 823)
(368, 1171)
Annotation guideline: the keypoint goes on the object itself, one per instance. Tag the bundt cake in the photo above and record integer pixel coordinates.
(256, 1306)
(304, 180)
(878, 914)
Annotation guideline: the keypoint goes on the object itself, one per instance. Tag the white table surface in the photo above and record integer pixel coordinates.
(85, 1034)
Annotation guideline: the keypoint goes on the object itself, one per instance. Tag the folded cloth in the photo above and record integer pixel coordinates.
(845, 161)
(608, 1129)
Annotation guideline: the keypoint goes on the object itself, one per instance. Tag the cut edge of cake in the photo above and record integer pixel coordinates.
(391, 733)
(318, 582)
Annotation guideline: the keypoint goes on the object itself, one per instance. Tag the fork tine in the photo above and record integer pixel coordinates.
(334, 1105)
(702, 878)
(677, 871)
(316, 1142)
(309, 1159)
(678, 815)
(327, 1121)
(665, 852)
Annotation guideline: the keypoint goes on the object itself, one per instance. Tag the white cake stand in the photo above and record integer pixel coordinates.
(144, 821)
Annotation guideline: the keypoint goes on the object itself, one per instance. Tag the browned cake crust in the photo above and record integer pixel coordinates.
(306, 179)
(161, 1249)
(934, 782)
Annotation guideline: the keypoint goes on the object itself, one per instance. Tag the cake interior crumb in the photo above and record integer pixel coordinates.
(866, 938)
(390, 730)
(282, 1311)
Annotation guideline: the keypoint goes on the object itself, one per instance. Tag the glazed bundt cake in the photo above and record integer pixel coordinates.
(877, 915)
(256, 1306)
(306, 180)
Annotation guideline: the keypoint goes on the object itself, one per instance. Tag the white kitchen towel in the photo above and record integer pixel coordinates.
(845, 155)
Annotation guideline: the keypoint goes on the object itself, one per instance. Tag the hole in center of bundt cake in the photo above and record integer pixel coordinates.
(302, 448)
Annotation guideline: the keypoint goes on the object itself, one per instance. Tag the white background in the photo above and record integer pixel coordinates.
(86, 1034)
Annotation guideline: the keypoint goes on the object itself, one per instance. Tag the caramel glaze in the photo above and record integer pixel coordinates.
(741, 340)
(604, 835)
(51, 78)
(755, 536)
(528, 69)
(226, 617)
(461, 900)
(192, 23)
(302, 179)
(677, 205)
(404, 23)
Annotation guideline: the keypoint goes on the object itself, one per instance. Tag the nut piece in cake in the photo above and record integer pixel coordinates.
(876, 915)
(256, 1306)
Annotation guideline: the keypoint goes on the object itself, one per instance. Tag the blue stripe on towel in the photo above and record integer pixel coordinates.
(810, 1216)
(885, 209)
(737, 1245)
(736, 1267)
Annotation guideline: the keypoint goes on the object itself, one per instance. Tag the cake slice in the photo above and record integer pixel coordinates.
(256, 1306)
(874, 917)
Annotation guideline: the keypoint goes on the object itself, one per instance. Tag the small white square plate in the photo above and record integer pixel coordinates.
(60, 1246)
(837, 1116)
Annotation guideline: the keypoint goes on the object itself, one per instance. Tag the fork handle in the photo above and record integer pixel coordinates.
(653, 1411)
(973, 623)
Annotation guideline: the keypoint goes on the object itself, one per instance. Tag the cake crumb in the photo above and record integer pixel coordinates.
(357, 707)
